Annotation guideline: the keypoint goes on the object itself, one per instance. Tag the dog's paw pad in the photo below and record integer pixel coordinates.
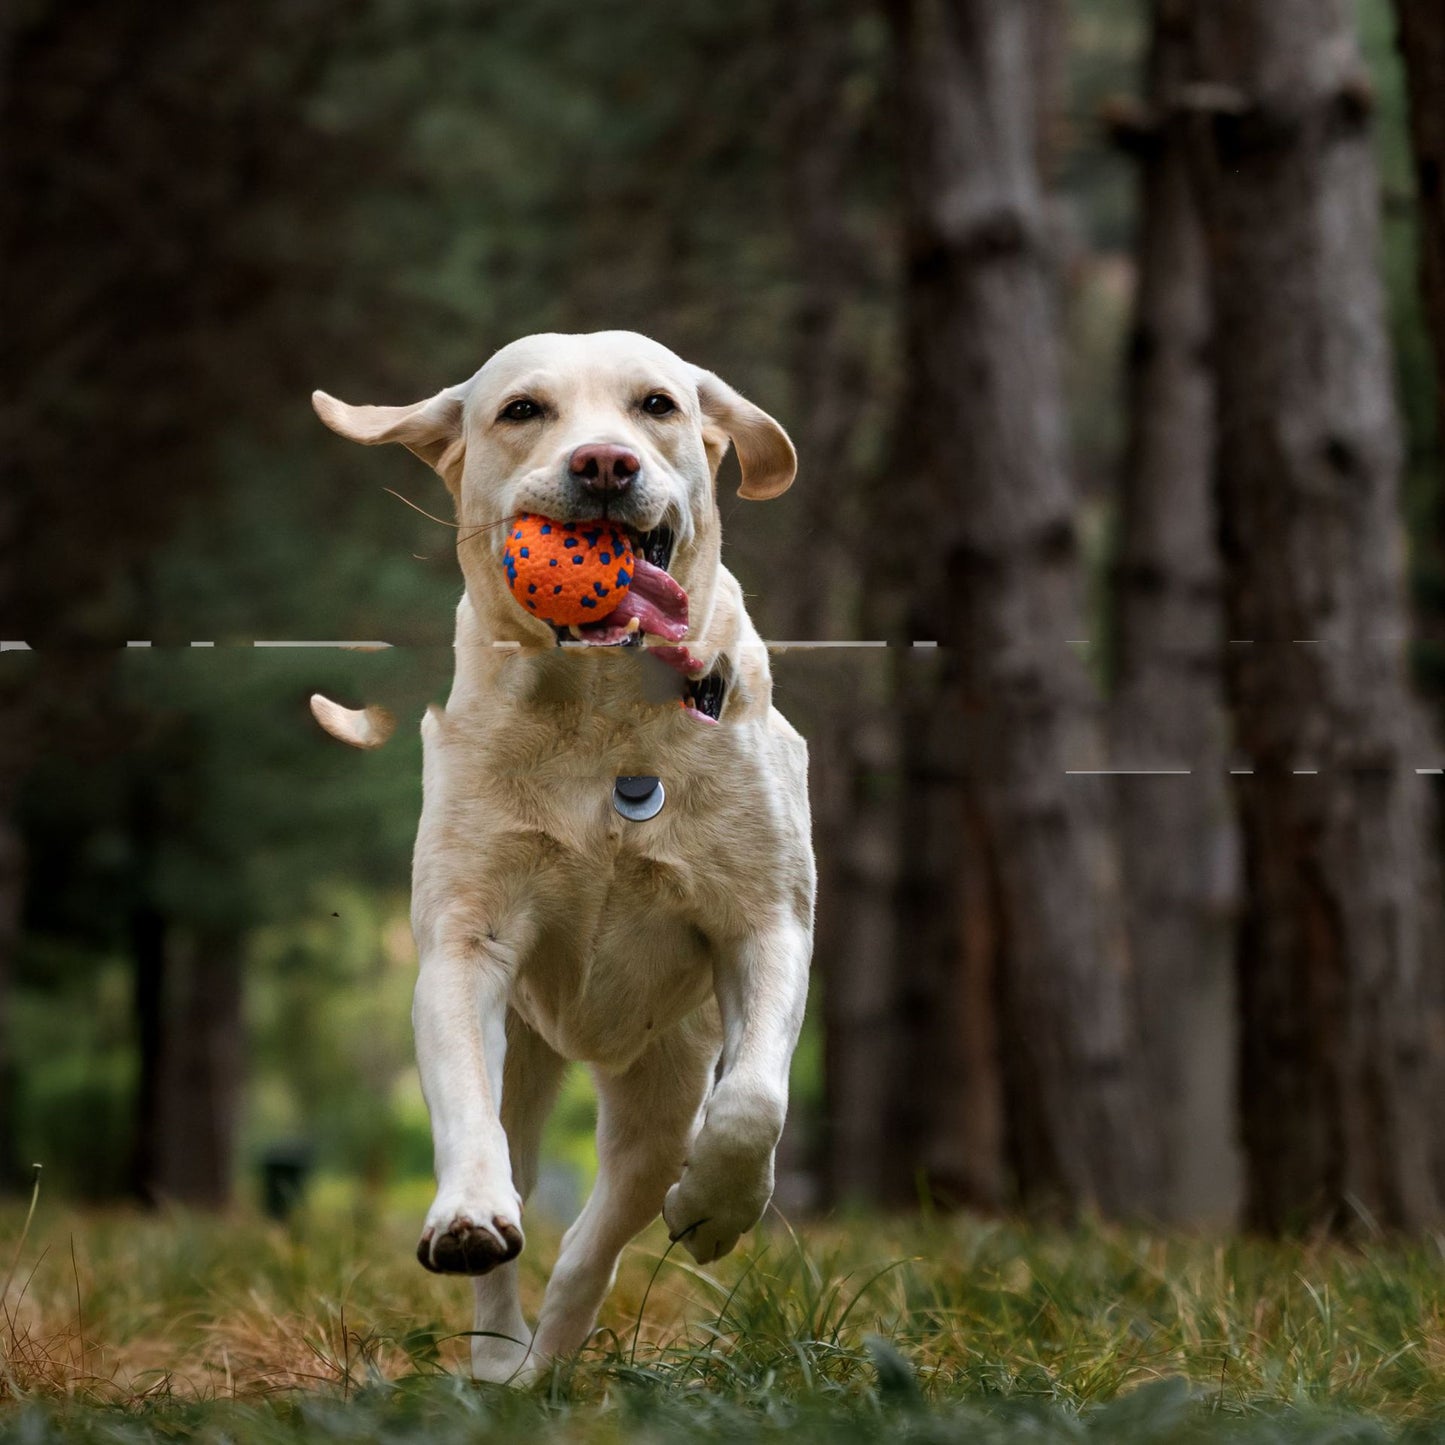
(465, 1247)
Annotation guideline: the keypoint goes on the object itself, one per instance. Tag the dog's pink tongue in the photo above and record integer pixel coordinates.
(655, 600)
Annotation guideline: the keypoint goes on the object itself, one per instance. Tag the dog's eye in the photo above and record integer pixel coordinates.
(523, 409)
(659, 403)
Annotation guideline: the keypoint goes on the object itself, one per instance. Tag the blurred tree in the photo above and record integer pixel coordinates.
(997, 715)
(1167, 706)
(13, 750)
(161, 172)
(837, 391)
(1422, 44)
(1337, 942)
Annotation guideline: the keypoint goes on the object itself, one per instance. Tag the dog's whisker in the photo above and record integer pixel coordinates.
(486, 527)
(455, 526)
(430, 516)
(442, 521)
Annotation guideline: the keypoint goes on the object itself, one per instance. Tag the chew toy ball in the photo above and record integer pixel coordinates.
(567, 572)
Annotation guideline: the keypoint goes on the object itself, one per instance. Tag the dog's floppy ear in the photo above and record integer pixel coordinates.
(431, 428)
(765, 454)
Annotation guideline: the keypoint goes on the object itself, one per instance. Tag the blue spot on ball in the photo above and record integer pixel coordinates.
(578, 560)
(624, 577)
(587, 601)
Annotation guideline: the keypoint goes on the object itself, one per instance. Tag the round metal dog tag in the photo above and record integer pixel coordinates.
(638, 799)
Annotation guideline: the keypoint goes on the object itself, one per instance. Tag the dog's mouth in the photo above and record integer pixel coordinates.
(702, 697)
(654, 606)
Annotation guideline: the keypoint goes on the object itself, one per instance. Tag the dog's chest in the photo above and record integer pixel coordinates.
(621, 920)
(625, 914)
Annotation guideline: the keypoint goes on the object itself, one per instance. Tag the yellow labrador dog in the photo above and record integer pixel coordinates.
(558, 913)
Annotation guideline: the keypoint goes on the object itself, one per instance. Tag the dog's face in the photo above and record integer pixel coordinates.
(609, 424)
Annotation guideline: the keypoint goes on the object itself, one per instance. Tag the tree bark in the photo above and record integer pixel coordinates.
(188, 1004)
(1422, 45)
(1334, 948)
(11, 896)
(1004, 709)
(1167, 711)
(1049, 72)
(839, 400)
(201, 1073)
(148, 994)
(855, 952)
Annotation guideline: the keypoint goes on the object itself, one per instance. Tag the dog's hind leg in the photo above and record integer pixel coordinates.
(645, 1120)
(530, 1079)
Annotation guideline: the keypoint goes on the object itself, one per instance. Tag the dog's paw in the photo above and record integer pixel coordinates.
(502, 1361)
(708, 1217)
(469, 1239)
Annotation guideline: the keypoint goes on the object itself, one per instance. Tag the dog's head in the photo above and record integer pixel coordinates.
(610, 425)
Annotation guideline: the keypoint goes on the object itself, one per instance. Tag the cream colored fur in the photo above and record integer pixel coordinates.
(671, 956)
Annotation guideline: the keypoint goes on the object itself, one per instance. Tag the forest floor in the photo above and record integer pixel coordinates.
(127, 1327)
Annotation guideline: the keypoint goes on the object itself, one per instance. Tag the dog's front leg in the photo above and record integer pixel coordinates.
(762, 984)
(459, 1015)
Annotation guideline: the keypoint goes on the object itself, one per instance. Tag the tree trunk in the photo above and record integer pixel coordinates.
(148, 980)
(1333, 951)
(846, 695)
(187, 1002)
(855, 953)
(1004, 709)
(1168, 714)
(1422, 44)
(201, 1073)
(1049, 73)
(11, 895)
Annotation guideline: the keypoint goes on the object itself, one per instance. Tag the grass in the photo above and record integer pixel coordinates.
(125, 1327)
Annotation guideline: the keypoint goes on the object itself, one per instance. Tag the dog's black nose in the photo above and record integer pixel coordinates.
(604, 467)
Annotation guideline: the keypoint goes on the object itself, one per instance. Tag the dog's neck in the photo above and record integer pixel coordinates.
(495, 663)
(502, 652)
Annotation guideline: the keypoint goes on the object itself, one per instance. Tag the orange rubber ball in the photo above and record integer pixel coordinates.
(567, 572)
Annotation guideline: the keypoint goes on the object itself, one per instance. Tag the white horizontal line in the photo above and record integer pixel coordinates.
(1431, 772)
(1128, 772)
(809, 642)
(1304, 772)
(320, 644)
